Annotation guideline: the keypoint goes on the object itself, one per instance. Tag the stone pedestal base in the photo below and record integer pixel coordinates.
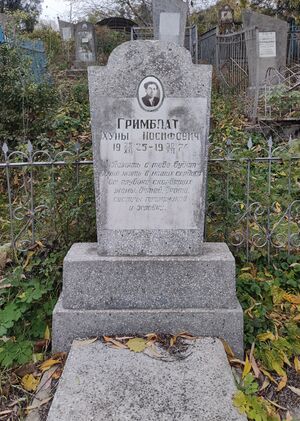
(137, 295)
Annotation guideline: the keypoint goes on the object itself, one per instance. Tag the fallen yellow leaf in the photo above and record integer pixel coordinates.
(266, 373)
(294, 299)
(84, 342)
(265, 336)
(137, 344)
(173, 340)
(265, 384)
(237, 361)
(228, 350)
(288, 417)
(277, 207)
(6, 412)
(117, 344)
(255, 368)
(285, 358)
(29, 382)
(247, 367)
(186, 335)
(276, 404)
(41, 403)
(48, 363)
(282, 383)
(295, 390)
(37, 357)
(297, 364)
(47, 333)
(151, 336)
(28, 258)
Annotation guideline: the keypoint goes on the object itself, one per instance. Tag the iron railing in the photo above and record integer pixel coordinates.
(293, 46)
(228, 54)
(252, 202)
(232, 61)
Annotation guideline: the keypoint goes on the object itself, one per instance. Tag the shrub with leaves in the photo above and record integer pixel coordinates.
(27, 296)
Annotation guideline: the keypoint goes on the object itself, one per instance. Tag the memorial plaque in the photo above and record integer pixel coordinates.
(67, 33)
(150, 149)
(267, 44)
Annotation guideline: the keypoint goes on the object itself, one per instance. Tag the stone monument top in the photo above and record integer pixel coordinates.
(169, 20)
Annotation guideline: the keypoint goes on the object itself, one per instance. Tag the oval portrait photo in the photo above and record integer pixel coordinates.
(150, 93)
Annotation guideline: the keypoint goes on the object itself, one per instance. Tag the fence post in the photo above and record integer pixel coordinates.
(7, 174)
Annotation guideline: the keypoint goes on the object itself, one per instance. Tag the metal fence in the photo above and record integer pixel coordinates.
(232, 61)
(293, 46)
(279, 96)
(228, 54)
(252, 202)
(207, 47)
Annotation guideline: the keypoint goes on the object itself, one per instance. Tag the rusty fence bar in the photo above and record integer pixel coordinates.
(253, 200)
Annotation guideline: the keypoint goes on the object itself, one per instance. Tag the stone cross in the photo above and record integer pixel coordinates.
(169, 20)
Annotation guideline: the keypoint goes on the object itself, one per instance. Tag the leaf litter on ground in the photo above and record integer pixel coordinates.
(164, 347)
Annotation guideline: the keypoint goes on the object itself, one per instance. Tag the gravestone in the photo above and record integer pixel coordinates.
(169, 20)
(268, 48)
(150, 269)
(85, 47)
(67, 30)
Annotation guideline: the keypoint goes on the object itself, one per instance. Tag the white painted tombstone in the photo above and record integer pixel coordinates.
(169, 20)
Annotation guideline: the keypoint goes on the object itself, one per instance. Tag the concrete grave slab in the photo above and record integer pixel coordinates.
(102, 383)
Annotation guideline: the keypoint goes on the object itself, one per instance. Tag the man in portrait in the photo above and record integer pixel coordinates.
(151, 99)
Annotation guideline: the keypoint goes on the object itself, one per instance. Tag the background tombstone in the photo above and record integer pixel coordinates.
(85, 47)
(268, 48)
(150, 270)
(226, 19)
(169, 20)
(67, 30)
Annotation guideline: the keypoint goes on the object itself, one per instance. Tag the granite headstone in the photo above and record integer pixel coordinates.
(169, 20)
(150, 128)
(268, 48)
